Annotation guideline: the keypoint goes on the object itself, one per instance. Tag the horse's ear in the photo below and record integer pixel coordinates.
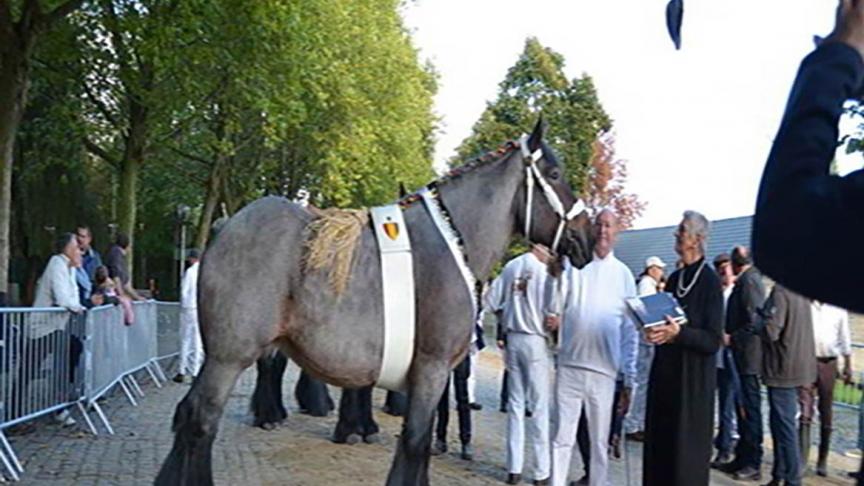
(402, 191)
(536, 139)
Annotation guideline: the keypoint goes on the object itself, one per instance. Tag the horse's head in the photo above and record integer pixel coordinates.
(550, 214)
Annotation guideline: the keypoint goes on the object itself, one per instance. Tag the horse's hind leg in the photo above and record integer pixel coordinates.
(411, 464)
(196, 421)
(267, 405)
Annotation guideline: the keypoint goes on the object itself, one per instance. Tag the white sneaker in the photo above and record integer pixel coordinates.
(65, 418)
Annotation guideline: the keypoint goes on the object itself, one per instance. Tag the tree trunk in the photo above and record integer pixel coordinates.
(133, 157)
(14, 69)
(214, 184)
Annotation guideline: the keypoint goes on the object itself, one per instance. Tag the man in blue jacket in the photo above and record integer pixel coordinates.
(801, 207)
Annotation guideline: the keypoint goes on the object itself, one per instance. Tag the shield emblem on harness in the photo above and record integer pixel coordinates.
(392, 230)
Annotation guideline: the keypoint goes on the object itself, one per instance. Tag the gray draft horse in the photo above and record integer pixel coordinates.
(254, 295)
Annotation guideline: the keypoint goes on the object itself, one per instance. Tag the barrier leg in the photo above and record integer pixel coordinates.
(159, 370)
(83, 410)
(133, 383)
(10, 460)
(153, 375)
(127, 392)
(102, 417)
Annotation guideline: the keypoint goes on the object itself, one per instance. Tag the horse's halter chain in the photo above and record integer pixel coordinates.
(531, 173)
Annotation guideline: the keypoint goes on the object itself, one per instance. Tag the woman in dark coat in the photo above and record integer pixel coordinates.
(679, 421)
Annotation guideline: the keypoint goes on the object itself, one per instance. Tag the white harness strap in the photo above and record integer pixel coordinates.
(531, 173)
(452, 239)
(397, 284)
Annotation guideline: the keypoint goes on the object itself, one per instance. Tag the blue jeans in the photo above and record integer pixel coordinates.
(729, 397)
(749, 450)
(783, 406)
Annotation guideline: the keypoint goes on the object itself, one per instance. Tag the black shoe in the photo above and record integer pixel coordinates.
(502, 409)
(475, 406)
(730, 467)
(467, 452)
(541, 482)
(439, 447)
(528, 413)
(721, 459)
(178, 378)
(638, 436)
(747, 474)
(514, 478)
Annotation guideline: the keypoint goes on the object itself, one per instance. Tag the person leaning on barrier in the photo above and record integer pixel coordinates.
(803, 211)
(57, 287)
(86, 272)
(118, 267)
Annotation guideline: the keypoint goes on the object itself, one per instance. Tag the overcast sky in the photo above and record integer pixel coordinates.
(695, 125)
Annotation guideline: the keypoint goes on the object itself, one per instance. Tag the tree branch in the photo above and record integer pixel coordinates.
(99, 152)
(191, 156)
(100, 105)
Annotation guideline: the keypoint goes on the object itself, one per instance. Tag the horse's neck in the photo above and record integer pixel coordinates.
(481, 206)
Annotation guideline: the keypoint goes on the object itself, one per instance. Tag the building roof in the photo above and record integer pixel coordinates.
(634, 246)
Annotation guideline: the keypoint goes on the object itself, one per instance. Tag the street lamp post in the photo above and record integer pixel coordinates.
(182, 217)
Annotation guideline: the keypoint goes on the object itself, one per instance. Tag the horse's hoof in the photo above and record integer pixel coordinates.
(353, 439)
(372, 439)
(350, 439)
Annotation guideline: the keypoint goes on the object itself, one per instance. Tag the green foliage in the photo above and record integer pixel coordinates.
(536, 84)
(222, 102)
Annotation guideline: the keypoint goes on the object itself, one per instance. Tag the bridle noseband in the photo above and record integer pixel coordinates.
(531, 173)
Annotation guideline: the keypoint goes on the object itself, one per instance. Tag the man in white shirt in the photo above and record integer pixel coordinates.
(634, 424)
(58, 287)
(599, 340)
(833, 340)
(520, 294)
(191, 346)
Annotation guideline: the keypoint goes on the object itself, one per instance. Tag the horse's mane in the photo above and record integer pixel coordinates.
(482, 160)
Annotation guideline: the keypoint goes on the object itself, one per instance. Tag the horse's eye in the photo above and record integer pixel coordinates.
(555, 173)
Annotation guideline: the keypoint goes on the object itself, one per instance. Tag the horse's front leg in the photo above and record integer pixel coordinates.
(411, 465)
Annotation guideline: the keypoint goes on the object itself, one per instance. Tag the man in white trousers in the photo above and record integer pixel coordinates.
(599, 339)
(634, 423)
(191, 346)
(518, 296)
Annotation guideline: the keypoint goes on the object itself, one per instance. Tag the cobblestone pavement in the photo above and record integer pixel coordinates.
(298, 453)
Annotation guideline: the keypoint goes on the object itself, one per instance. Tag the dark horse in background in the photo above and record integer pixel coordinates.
(339, 339)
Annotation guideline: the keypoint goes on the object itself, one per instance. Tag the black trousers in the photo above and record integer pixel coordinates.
(460, 384)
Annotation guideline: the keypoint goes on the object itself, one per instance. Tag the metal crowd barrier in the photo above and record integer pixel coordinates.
(52, 360)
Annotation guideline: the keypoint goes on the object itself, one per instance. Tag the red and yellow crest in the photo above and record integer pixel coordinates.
(391, 229)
